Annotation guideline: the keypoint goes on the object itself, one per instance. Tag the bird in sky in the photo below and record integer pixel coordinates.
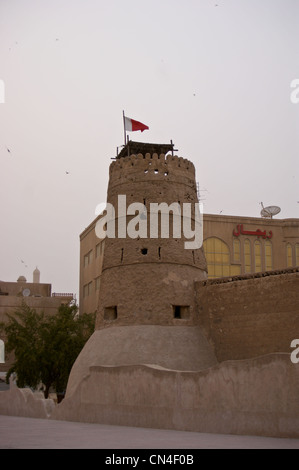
(8, 150)
(67, 172)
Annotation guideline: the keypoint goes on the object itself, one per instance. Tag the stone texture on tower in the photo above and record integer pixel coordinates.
(144, 279)
(146, 310)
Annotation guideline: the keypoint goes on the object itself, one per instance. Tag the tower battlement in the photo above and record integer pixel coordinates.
(152, 178)
(149, 161)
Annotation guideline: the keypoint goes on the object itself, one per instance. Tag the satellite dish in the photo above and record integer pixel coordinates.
(269, 211)
(26, 292)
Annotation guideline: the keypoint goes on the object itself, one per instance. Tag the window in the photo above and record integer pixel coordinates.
(99, 249)
(88, 258)
(289, 255)
(247, 256)
(258, 256)
(110, 313)
(181, 311)
(236, 246)
(97, 282)
(268, 255)
(217, 255)
(87, 289)
(297, 253)
(235, 270)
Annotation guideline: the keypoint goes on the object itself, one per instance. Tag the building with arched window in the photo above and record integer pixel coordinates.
(219, 259)
(236, 245)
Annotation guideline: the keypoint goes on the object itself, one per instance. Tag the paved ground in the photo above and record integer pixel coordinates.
(30, 433)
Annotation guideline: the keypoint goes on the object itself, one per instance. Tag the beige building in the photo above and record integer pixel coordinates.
(236, 245)
(36, 295)
(91, 261)
(233, 245)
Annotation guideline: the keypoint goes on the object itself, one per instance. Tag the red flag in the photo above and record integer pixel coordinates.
(132, 125)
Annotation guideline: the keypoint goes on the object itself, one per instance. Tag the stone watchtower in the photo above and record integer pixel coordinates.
(146, 311)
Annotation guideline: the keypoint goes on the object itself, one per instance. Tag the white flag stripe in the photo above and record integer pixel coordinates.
(128, 124)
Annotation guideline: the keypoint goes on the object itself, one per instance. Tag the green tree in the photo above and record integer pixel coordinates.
(46, 346)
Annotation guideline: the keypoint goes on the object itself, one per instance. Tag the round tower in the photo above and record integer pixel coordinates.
(147, 276)
(147, 307)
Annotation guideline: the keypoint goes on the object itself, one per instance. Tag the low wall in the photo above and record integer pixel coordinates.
(250, 316)
(253, 397)
(23, 402)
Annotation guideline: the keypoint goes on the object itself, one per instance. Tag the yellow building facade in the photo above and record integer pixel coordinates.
(236, 245)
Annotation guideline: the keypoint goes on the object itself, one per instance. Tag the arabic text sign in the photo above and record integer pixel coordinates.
(258, 233)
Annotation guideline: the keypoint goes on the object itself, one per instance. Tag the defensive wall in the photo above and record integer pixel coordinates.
(251, 315)
(252, 397)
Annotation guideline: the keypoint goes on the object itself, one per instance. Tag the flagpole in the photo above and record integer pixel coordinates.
(124, 127)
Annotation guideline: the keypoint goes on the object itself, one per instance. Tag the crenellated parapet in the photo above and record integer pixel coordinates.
(159, 165)
(153, 177)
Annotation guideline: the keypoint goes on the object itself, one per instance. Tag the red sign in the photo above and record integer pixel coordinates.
(258, 233)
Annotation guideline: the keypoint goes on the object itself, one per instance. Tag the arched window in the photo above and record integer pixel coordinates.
(289, 255)
(236, 246)
(257, 256)
(2, 352)
(217, 256)
(268, 256)
(297, 254)
(247, 256)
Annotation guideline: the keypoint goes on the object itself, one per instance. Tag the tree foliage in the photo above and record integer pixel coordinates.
(46, 346)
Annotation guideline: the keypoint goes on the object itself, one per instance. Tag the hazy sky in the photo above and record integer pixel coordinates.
(214, 79)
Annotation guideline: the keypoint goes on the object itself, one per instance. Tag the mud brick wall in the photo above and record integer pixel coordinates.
(144, 277)
(252, 315)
